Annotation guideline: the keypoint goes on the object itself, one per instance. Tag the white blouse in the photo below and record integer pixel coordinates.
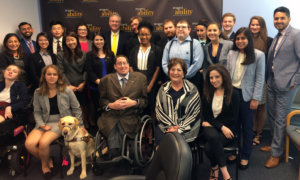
(217, 105)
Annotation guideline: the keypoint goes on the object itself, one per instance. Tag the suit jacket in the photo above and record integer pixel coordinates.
(110, 90)
(226, 47)
(123, 36)
(286, 62)
(51, 44)
(228, 115)
(154, 60)
(67, 105)
(26, 48)
(253, 75)
(36, 64)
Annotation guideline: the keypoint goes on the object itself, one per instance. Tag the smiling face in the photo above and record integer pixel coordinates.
(121, 66)
(182, 31)
(71, 42)
(176, 73)
(26, 30)
(13, 43)
(213, 32)
(201, 32)
(241, 41)
(82, 31)
(169, 29)
(114, 23)
(254, 26)
(57, 31)
(281, 21)
(228, 23)
(11, 72)
(145, 36)
(134, 26)
(51, 76)
(98, 41)
(216, 79)
(43, 42)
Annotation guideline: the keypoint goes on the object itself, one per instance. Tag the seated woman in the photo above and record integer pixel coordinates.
(178, 104)
(13, 99)
(52, 101)
(220, 112)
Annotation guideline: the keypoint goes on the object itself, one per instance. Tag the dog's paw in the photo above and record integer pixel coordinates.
(83, 175)
(70, 171)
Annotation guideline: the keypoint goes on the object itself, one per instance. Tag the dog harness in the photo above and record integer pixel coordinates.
(85, 138)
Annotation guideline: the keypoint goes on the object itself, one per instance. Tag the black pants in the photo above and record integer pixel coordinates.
(214, 144)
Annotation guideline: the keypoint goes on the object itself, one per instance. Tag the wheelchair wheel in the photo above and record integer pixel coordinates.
(18, 159)
(144, 142)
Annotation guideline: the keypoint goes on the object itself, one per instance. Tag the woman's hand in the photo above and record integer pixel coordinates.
(45, 127)
(8, 113)
(149, 87)
(73, 88)
(206, 124)
(97, 81)
(172, 129)
(80, 86)
(227, 132)
(253, 104)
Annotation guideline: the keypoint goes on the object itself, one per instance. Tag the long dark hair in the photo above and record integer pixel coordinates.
(209, 89)
(37, 41)
(7, 50)
(106, 49)
(68, 52)
(249, 49)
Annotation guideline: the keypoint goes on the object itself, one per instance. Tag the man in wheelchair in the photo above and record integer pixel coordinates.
(123, 95)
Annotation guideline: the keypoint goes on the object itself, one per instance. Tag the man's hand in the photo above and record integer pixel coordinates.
(253, 104)
(122, 103)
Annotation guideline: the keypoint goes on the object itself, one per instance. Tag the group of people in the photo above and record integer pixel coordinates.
(217, 86)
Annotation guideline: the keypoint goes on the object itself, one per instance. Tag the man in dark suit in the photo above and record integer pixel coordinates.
(123, 95)
(116, 38)
(56, 42)
(283, 79)
(29, 46)
(228, 21)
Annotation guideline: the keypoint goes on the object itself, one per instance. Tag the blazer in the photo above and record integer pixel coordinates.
(74, 72)
(110, 90)
(36, 64)
(94, 66)
(226, 47)
(253, 75)
(123, 36)
(154, 60)
(26, 48)
(286, 62)
(18, 96)
(67, 105)
(228, 115)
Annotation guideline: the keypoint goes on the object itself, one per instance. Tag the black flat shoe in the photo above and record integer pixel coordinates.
(243, 167)
(231, 161)
(47, 175)
(53, 169)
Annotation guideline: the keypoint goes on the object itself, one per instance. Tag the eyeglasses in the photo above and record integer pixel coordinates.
(121, 63)
(181, 27)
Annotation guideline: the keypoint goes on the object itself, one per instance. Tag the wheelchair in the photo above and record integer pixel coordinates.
(15, 153)
(138, 151)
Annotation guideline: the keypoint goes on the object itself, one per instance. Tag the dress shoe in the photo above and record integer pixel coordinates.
(266, 148)
(243, 166)
(272, 162)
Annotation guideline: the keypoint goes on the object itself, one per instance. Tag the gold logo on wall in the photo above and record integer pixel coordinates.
(144, 12)
(181, 11)
(71, 13)
(125, 27)
(93, 28)
(158, 27)
(106, 12)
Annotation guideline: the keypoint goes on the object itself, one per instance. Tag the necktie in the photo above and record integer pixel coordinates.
(58, 46)
(123, 83)
(114, 45)
(270, 64)
(31, 47)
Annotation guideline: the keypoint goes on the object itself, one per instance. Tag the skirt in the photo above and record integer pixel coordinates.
(53, 122)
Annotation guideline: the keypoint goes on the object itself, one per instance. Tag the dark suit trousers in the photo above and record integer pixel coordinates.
(214, 144)
(278, 107)
(245, 127)
(115, 137)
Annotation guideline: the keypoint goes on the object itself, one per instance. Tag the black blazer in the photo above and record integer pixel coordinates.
(36, 64)
(26, 48)
(94, 66)
(227, 117)
(123, 36)
(154, 58)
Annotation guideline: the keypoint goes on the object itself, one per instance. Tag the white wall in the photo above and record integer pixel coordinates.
(244, 10)
(12, 12)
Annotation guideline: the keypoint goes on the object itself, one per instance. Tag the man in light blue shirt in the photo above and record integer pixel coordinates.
(180, 47)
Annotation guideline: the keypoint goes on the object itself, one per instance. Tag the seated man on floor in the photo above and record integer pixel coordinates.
(123, 95)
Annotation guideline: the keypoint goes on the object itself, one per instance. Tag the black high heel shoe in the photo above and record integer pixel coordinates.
(213, 174)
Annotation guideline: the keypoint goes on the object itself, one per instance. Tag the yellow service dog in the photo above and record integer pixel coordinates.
(78, 142)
